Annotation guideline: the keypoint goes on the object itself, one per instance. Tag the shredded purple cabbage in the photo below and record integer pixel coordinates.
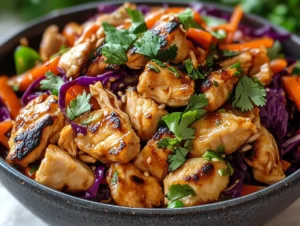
(4, 112)
(92, 192)
(107, 8)
(291, 144)
(144, 8)
(29, 93)
(205, 10)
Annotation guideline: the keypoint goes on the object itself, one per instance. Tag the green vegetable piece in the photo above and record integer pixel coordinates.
(228, 53)
(149, 44)
(178, 158)
(114, 53)
(153, 68)
(192, 72)
(174, 71)
(186, 18)
(78, 106)
(52, 83)
(175, 204)
(138, 21)
(178, 191)
(168, 54)
(25, 58)
(115, 178)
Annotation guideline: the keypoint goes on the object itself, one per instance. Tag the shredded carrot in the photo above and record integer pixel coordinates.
(234, 23)
(278, 65)
(199, 19)
(202, 37)
(71, 32)
(266, 42)
(292, 87)
(23, 81)
(249, 189)
(285, 165)
(87, 33)
(9, 97)
(5, 126)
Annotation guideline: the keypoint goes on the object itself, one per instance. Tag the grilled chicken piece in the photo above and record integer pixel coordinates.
(67, 140)
(170, 30)
(152, 159)
(117, 17)
(218, 86)
(37, 125)
(144, 114)
(60, 171)
(265, 160)
(245, 59)
(261, 66)
(51, 42)
(135, 60)
(129, 187)
(98, 66)
(203, 177)
(164, 87)
(73, 60)
(224, 129)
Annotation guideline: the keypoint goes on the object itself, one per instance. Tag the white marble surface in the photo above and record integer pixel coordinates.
(12, 213)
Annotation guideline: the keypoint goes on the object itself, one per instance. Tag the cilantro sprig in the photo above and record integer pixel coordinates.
(78, 106)
(138, 21)
(186, 18)
(192, 72)
(177, 192)
(249, 93)
(52, 83)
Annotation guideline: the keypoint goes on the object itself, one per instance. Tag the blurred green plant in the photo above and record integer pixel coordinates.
(284, 13)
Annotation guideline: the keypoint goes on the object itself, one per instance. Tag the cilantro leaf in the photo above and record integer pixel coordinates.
(219, 34)
(115, 178)
(52, 83)
(178, 191)
(192, 72)
(114, 53)
(174, 71)
(186, 18)
(296, 70)
(167, 142)
(138, 21)
(228, 53)
(178, 158)
(153, 68)
(168, 54)
(79, 105)
(197, 102)
(249, 93)
(159, 63)
(175, 204)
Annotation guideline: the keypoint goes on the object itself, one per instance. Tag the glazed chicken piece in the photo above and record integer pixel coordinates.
(51, 42)
(135, 60)
(73, 61)
(164, 87)
(265, 160)
(203, 177)
(67, 140)
(144, 114)
(152, 159)
(98, 66)
(170, 30)
(222, 129)
(129, 187)
(245, 59)
(261, 66)
(60, 171)
(37, 125)
(110, 137)
(218, 86)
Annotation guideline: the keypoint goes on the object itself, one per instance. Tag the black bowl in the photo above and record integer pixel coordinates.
(56, 208)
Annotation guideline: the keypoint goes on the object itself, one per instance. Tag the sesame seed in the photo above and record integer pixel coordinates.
(120, 93)
(121, 85)
(146, 174)
(112, 79)
(149, 160)
(161, 106)
(123, 99)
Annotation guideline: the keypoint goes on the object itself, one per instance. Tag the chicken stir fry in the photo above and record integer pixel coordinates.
(149, 107)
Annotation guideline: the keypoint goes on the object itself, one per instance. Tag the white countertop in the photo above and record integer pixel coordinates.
(12, 213)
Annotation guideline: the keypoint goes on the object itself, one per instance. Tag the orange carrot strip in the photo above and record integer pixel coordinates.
(87, 33)
(266, 42)
(202, 37)
(249, 189)
(292, 87)
(9, 97)
(278, 65)
(285, 165)
(234, 22)
(23, 81)
(4, 128)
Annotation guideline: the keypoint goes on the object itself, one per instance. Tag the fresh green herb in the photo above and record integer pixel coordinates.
(159, 63)
(167, 142)
(227, 171)
(248, 93)
(186, 18)
(25, 58)
(219, 34)
(168, 54)
(178, 158)
(115, 178)
(52, 83)
(192, 72)
(213, 156)
(296, 70)
(213, 21)
(79, 105)
(178, 191)
(33, 169)
(211, 56)
(216, 84)
(15, 88)
(174, 71)
(175, 204)
(153, 68)
(114, 53)
(274, 51)
(228, 53)
(197, 102)
(138, 21)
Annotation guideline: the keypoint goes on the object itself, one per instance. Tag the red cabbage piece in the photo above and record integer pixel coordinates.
(144, 8)
(4, 112)
(205, 10)
(274, 115)
(29, 93)
(92, 192)
(291, 144)
(107, 8)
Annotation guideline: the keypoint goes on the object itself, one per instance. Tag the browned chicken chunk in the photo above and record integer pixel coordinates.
(265, 160)
(164, 87)
(245, 59)
(51, 42)
(221, 129)
(152, 159)
(60, 171)
(129, 187)
(144, 114)
(203, 177)
(37, 125)
(67, 140)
